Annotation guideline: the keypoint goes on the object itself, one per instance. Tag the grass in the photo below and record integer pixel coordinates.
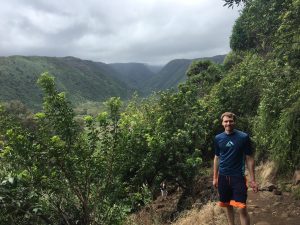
(266, 173)
(209, 214)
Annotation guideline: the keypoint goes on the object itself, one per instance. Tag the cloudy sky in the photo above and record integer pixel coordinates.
(149, 31)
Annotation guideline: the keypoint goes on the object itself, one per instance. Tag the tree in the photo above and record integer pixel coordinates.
(230, 3)
(58, 172)
(159, 139)
(287, 36)
(204, 75)
(255, 29)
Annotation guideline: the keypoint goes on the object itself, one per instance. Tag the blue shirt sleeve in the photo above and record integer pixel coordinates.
(216, 147)
(248, 146)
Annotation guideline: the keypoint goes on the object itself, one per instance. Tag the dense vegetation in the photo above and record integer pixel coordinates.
(82, 80)
(85, 82)
(59, 169)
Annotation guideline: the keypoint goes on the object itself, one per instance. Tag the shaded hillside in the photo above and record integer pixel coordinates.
(170, 75)
(155, 68)
(174, 73)
(81, 80)
(133, 74)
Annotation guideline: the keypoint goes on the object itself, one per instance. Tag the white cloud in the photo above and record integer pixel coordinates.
(153, 31)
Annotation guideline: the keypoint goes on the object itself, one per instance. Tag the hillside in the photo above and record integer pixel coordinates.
(155, 68)
(85, 80)
(133, 74)
(82, 80)
(173, 73)
(147, 78)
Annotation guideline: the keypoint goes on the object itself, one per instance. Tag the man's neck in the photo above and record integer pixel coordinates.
(229, 132)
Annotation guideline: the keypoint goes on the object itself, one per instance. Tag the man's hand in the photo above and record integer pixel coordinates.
(215, 182)
(254, 186)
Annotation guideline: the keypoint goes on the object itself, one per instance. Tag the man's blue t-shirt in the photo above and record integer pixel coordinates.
(231, 149)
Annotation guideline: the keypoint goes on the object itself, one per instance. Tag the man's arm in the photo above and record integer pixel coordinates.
(216, 171)
(250, 165)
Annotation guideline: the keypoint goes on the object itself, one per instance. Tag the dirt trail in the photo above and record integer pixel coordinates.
(266, 208)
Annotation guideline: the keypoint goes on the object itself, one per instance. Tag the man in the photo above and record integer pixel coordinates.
(232, 149)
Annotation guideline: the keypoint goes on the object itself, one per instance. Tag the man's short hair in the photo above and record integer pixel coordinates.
(228, 114)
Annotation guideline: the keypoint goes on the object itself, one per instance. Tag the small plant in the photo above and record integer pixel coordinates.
(296, 193)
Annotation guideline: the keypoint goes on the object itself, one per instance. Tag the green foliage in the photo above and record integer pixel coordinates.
(158, 140)
(19, 112)
(230, 3)
(287, 40)
(232, 59)
(239, 90)
(271, 29)
(17, 198)
(65, 171)
(255, 29)
(89, 108)
(83, 80)
(204, 74)
(175, 135)
(277, 121)
(287, 138)
(141, 198)
(242, 38)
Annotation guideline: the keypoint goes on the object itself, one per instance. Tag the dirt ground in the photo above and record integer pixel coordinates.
(266, 208)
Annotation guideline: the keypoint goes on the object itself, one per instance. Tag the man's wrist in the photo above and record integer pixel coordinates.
(253, 183)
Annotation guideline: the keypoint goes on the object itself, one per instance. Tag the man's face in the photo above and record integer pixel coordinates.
(228, 124)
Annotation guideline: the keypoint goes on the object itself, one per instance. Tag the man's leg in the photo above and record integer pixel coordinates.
(225, 195)
(230, 215)
(244, 216)
(240, 198)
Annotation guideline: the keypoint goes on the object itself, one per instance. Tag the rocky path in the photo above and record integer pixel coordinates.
(266, 208)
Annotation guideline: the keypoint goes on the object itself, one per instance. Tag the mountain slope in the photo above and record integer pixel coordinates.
(85, 80)
(82, 80)
(170, 75)
(133, 74)
(155, 68)
(174, 73)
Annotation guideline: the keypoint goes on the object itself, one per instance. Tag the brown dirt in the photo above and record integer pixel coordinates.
(266, 208)
(161, 211)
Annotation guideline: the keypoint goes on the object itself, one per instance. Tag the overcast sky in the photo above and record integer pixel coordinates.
(149, 31)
